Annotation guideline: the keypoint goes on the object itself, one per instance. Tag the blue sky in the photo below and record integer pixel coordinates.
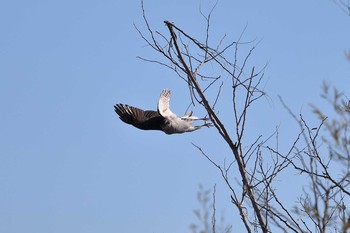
(68, 164)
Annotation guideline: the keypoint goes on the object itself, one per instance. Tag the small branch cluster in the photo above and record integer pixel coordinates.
(206, 214)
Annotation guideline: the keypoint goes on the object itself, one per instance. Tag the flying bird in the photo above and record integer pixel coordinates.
(163, 119)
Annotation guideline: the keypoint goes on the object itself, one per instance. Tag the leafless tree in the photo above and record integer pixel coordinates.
(207, 70)
(325, 162)
(206, 214)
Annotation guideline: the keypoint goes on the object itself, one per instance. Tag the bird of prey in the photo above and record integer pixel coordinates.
(163, 119)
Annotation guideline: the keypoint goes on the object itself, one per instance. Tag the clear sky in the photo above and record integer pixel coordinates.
(68, 164)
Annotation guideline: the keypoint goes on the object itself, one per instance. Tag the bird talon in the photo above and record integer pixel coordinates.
(208, 125)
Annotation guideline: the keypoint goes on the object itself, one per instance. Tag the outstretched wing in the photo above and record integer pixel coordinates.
(163, 105)
(147, 120)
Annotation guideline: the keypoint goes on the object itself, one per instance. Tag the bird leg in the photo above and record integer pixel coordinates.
(207, 124)
(194, 118)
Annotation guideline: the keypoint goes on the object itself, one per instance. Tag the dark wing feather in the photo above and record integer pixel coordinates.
(147, 120)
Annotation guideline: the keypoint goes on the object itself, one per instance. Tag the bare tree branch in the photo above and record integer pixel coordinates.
(252, 170)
